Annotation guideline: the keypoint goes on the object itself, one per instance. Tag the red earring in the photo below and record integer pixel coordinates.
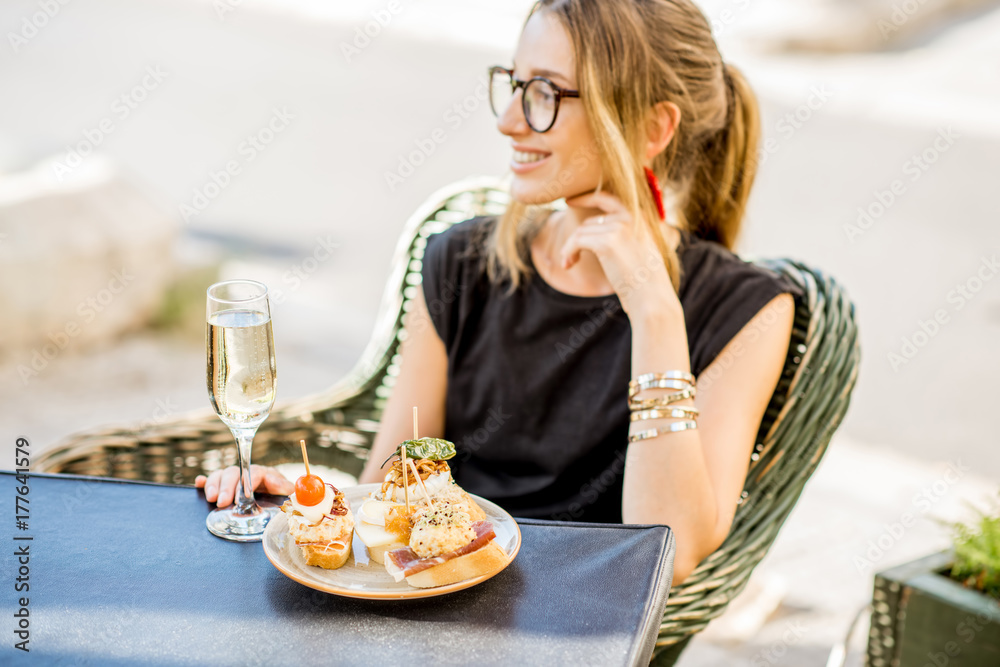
(654, 185)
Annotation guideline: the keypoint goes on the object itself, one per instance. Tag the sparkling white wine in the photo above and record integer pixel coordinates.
(241, 372)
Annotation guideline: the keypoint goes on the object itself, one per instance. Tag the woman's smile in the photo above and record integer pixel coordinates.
(526, 159)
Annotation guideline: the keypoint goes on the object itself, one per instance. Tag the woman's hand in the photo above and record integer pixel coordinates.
(626, 250)
(220, 486)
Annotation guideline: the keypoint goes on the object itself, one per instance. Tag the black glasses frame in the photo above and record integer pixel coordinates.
(560, 93)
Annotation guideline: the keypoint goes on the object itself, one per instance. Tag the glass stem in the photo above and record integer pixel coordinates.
(245, 503)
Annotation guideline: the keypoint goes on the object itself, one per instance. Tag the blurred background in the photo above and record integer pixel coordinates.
(151, 147)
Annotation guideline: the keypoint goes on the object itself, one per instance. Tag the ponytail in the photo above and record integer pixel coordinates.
(727, 166)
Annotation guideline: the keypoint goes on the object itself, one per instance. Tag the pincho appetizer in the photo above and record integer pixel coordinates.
(423, 526)
(384, 519)
(445, 546)
(319, 520)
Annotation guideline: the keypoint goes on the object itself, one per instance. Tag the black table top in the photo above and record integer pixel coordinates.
(126, 573)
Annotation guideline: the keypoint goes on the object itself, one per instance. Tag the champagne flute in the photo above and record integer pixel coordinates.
(241, 385)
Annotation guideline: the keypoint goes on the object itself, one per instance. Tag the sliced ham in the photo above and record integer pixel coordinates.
(408, 563)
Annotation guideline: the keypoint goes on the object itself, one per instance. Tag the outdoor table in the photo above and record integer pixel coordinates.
(125, 573)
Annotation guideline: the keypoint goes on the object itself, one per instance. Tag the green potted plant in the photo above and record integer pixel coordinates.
(977, 555)
(943, 609)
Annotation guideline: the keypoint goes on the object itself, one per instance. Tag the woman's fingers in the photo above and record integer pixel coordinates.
(227, 486)
(220, 486)
(257, 475)
(600, 201)
(210, 484)
(269, 480)
(277, 484)
(577, 242)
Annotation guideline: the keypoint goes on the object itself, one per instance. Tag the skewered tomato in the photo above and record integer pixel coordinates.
(309, 490)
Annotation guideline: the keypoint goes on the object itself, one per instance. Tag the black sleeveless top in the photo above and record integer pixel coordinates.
(538, 381)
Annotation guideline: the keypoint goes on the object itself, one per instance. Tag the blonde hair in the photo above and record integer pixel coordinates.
(630, 55)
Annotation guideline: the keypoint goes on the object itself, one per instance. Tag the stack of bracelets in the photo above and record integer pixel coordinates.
(663, 407)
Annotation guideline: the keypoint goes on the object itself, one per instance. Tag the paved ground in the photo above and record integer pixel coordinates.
(802, 597)
(843, 130)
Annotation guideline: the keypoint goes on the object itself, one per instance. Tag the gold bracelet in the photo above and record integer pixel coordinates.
(661, 401)
(669, 375)
(635, 387)
(663, 430)
(677, 412)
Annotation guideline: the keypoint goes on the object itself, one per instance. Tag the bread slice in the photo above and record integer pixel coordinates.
(487, 559)
(327, 557)
(327, 544)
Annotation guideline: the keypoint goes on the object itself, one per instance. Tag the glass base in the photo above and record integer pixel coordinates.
(228, 524)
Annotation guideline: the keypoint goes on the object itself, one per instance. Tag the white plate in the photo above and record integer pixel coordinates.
(359, 578)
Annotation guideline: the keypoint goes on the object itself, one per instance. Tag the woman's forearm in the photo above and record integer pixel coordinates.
(666, 478)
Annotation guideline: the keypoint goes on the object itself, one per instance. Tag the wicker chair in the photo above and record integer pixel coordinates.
(339, 424)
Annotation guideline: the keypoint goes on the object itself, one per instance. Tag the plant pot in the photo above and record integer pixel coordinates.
(923, 618)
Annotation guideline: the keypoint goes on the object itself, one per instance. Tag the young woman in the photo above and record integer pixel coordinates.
(531, 325)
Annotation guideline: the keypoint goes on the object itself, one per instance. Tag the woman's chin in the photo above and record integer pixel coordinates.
(533, 193)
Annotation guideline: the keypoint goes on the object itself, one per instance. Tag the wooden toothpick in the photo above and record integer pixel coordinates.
(305, 457)
(402, 467)
(403, 460)
(413, 467)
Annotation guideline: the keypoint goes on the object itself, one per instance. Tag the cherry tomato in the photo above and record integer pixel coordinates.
(309, 490)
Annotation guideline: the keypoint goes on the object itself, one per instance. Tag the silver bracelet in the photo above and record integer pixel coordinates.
(663, 430)
(661, 401)
(635, 387)
(668, 375)
(677, 412)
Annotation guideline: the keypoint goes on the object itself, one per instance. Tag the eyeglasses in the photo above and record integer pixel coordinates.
(540, 97)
